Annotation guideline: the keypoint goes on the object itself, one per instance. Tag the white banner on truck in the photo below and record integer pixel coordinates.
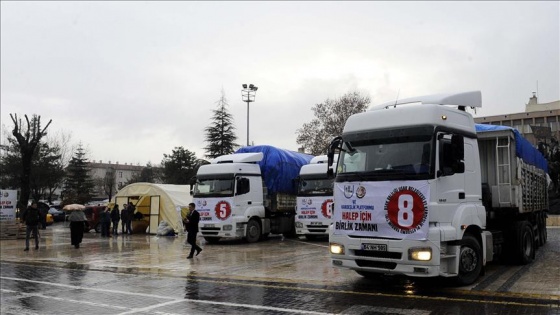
(213, 209)
(8, 202)
(314, 208)
(396, 209)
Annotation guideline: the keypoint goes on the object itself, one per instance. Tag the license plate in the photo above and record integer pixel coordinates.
(316, 223)
(375, 247)
(208, 225)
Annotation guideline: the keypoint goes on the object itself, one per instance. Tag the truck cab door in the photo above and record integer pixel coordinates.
(450, 183)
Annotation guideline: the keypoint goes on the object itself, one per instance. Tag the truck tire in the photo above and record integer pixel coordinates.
(542, 229)
(253, 233)
(524, 242)
(211, 240)
(470, 260)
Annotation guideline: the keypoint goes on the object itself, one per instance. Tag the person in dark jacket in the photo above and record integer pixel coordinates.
(124, 218)
(78, 221)
(130, 209)
(192, 228)
(32, 218)
(115, 218)
(105, 221)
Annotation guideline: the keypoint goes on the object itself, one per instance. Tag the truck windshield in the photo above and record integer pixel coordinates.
(315, 187)
(209, 187)
(392, 158)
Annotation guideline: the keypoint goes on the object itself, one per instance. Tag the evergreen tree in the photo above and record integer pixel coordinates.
(179, 167)
(220, 135)
(79, 184)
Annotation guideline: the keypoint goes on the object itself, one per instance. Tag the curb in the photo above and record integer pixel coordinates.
(553, 220)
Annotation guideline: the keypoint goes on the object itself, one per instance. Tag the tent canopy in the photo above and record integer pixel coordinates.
(173, 199)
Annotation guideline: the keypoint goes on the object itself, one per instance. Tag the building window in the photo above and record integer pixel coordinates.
(120, 174)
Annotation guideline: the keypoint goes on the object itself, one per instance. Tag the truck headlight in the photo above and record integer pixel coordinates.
(227, 227)
(299, 225)
(420, 253)
(337, 249)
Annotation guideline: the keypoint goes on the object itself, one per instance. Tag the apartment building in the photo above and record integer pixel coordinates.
(539, 122)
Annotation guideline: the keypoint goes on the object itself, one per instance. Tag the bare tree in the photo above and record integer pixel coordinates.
(110, 182)
(28, 138)
(330, 117)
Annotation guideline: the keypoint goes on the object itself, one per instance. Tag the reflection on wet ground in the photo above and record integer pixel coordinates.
(140, 274)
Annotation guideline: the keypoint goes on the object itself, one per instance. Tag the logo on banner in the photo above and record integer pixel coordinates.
(406, 210)
(360, 192)
(326, 208)
(306, 201)
(348, 191)
(222, 210)
(201, 203)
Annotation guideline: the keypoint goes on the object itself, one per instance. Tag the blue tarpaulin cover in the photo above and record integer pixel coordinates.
(278, 167)
(523, 148)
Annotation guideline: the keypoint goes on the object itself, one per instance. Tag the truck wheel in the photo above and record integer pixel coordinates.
(524, 242)
(211, 240)
(470, 260)
(542, 229)
(253, 231)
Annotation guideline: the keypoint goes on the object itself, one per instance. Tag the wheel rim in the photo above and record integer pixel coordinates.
(253, 230)
(469, 259)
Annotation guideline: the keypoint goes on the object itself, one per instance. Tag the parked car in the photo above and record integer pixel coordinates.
(57, 214)
(49, 219)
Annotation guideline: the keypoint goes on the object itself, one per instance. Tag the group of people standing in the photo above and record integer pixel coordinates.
(113, 216)
(31, 216)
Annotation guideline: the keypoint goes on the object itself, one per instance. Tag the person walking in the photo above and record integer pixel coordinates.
(115, 218)
(43, 216)
(32, 218)
(77, 220)
(105, 221)
(192, 229)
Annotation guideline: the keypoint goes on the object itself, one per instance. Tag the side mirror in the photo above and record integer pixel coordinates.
(335, 144)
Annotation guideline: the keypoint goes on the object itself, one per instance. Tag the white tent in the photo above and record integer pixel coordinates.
(157, 202)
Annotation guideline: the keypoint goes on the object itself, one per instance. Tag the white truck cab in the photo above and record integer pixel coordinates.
(314, 200)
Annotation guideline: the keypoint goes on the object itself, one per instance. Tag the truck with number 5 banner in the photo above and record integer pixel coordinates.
(314, 200)
(423, 191)
(248, 194)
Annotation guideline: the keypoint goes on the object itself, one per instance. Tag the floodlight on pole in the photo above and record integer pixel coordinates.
(248, 95)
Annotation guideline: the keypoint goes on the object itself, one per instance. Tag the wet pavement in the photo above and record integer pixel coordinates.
(146, 274)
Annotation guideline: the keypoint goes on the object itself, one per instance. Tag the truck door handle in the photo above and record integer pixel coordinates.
(249, 202)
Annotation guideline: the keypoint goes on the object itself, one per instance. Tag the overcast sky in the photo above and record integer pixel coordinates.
(132, 80)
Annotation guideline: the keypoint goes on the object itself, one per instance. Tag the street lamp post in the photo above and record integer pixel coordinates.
(248, 95)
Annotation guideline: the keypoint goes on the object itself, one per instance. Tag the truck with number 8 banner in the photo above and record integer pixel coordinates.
(423, 191)
(314, 200)
(248, 194)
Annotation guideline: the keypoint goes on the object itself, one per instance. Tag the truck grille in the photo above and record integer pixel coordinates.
(377, 254)
(210, 231)
(317, 228)
(376, 264)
